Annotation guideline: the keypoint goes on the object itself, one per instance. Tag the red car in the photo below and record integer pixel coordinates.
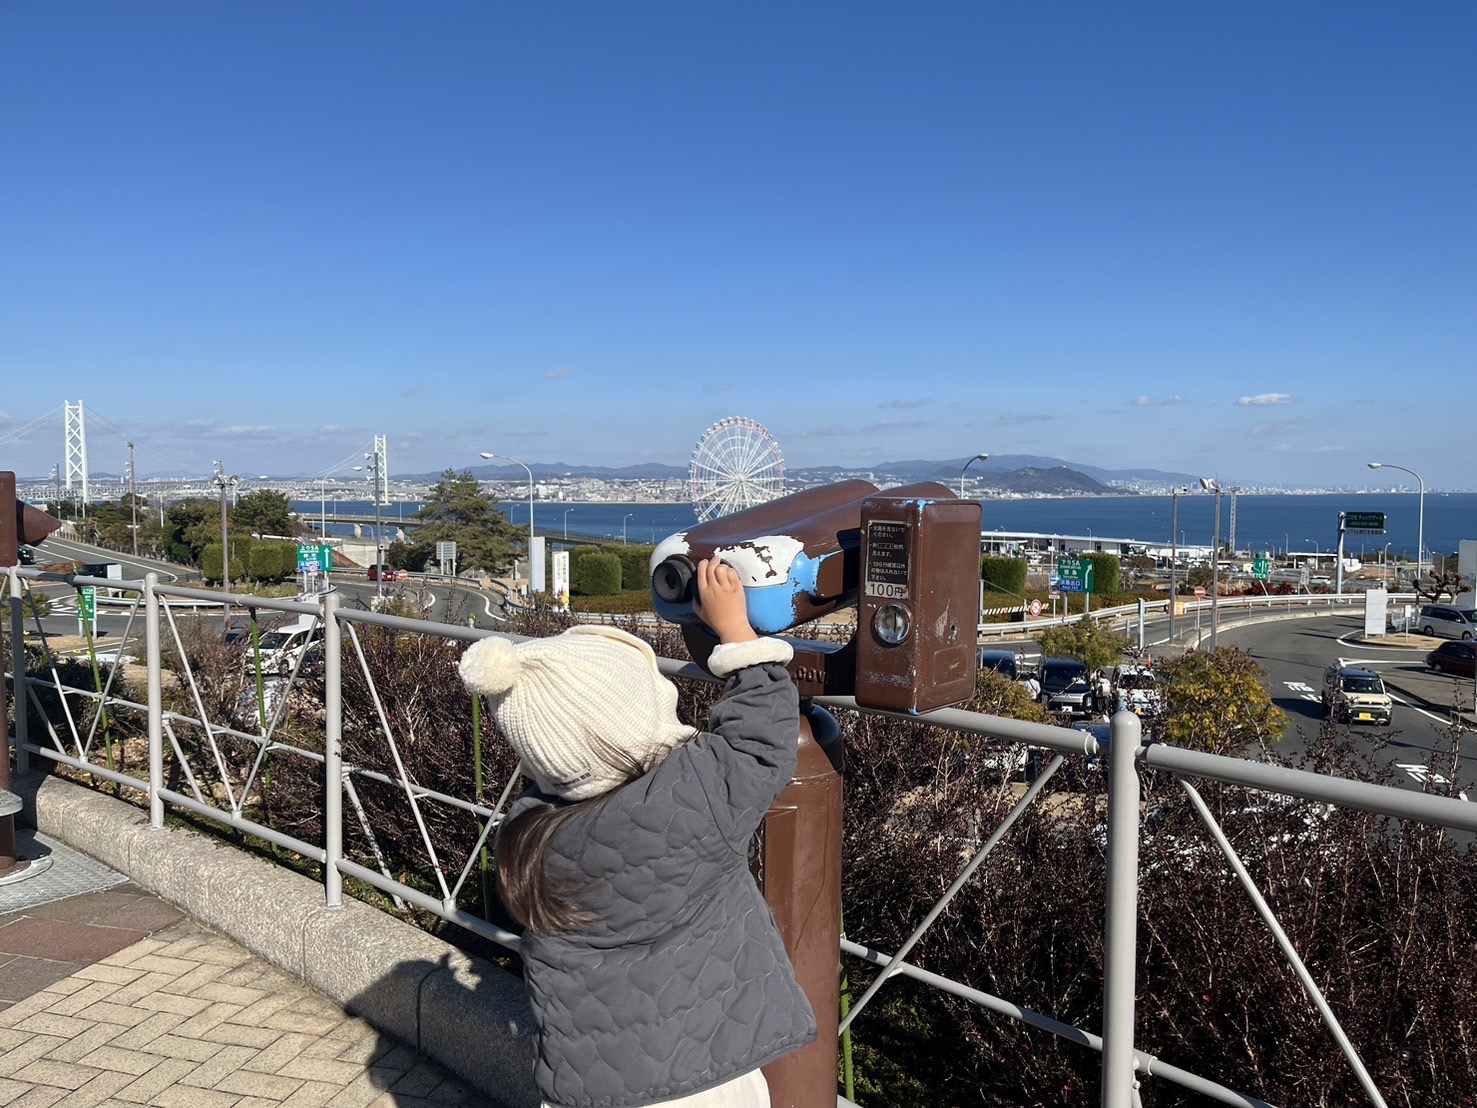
(1455, 657)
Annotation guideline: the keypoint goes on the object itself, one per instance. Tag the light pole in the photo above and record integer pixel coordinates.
(566, 521)
(1174, 552)
(379, 556)
(976, 458)
(623, 527)
(488, 456)
(225, 484)
(1215, 562)
(1420, 539)
(1385, 563)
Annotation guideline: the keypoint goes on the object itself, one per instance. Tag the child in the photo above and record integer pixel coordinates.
(653, 966)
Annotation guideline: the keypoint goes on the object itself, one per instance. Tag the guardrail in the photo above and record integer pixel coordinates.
(209, 756)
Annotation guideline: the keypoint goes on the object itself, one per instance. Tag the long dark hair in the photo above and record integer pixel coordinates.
(545, 903)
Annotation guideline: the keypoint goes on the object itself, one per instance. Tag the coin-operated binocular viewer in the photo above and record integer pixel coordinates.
(908, 561)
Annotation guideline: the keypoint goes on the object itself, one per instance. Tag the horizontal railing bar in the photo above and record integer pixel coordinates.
(241, 823)
(1384, 799)
(115, 776)
(422, 900)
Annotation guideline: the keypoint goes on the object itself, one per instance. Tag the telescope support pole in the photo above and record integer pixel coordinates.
(799, 869)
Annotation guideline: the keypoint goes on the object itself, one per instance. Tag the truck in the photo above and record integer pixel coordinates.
(1354, 695)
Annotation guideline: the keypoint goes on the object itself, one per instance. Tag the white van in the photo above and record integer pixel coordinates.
(1447, 621)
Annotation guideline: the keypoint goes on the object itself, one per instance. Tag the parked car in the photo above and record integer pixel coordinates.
(1066, 687)
(26, 555)
(280, 647)
(1006, 662)
(1353, 695)
(1456, 658)
(1447, 621)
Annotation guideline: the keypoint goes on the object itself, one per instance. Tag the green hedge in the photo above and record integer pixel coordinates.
(1105, 577)
(576, 556)
(635, 561)
(1007, 575)
(273, 561)
(597, 575)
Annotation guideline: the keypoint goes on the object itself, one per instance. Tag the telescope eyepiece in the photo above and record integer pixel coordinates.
(672, 580)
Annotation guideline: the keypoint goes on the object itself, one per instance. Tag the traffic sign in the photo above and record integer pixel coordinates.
(1075, 574)
(1035, 607)
(86, 610)
(1261, 569)
(315, 559)
(1199, 593)
(1364, 523)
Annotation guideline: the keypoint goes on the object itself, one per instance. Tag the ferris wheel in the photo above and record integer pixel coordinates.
(735, 465)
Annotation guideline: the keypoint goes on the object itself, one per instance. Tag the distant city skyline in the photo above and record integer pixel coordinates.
(1230, 241)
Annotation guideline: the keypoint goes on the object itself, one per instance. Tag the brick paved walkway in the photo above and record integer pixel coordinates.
(116, 999)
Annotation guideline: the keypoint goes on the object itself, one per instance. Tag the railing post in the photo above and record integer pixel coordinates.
(1120, 924)
(333, 752)
(155, 699)
(18, 673)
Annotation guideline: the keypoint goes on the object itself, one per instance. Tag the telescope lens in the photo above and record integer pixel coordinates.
(892, 623)
(672, 580)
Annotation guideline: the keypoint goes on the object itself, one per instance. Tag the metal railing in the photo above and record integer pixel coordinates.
(224, 782)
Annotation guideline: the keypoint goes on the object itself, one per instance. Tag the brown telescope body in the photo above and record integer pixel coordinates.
(907, 560)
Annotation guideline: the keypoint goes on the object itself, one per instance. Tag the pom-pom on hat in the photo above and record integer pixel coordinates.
(586, 710)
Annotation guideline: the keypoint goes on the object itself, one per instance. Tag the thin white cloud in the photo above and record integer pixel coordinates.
(1016, 419)
(248, 432)
(1278, 427)
(905, 402)
(1142, 401)
(891, 425)
(557, 374)
(1265, 400)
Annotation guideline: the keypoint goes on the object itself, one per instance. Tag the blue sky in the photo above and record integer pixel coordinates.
(1226, 239)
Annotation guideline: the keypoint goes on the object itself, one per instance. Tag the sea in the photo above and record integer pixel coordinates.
(1273, 524)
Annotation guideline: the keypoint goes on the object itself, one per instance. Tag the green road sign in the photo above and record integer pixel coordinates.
(87, 603)
(1074, 574)
(1261, 569)
(315, 559)
(1364, 523)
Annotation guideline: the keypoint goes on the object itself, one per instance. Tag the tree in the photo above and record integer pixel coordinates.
(1092, 644)
(190, 526)
(458, 510)
(1217, 700)
(263, 512)
(1442, 580)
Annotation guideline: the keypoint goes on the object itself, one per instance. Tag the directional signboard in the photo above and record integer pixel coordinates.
(1261, 569)
(86, 610)
(1364, 523)
(1075, 574)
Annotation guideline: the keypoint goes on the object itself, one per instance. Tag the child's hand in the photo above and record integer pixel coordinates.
(720, 602)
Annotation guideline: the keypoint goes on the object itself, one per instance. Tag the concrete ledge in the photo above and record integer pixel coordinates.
(462, 1012)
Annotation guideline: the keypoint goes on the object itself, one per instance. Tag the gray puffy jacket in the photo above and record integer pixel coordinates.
(683, 981)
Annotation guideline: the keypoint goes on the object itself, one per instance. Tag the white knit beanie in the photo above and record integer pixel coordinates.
(586, 710)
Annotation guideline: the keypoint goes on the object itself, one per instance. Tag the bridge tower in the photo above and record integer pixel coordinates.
(76, 448)
(379, 470)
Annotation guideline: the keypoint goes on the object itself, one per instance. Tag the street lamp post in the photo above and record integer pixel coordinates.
(623, 527)
(1420, 539)
(566, 521)
(976, 458)
(488, 456)
(1174, 553)
(1215, 561)
(225, 484)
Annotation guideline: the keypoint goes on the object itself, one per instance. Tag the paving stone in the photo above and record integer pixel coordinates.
(112, 1058)
(38, 1096)
(234, 1034)
(167, 1072)
(227, 1061)
(312, 1094)
(289, 1047)
(9, 1090)
(143, 984)
(169, 1002)
(197, 1050)
(138, 1038)
(63, 1075)
(23, 1054)
(182, 1097)
(258, 1084)
(322, 1069)
(63, 941)
(83, 999)
(100, 1089)
(50, 1023)
(203, 1021)
(106, 1012)
(99, 1034)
